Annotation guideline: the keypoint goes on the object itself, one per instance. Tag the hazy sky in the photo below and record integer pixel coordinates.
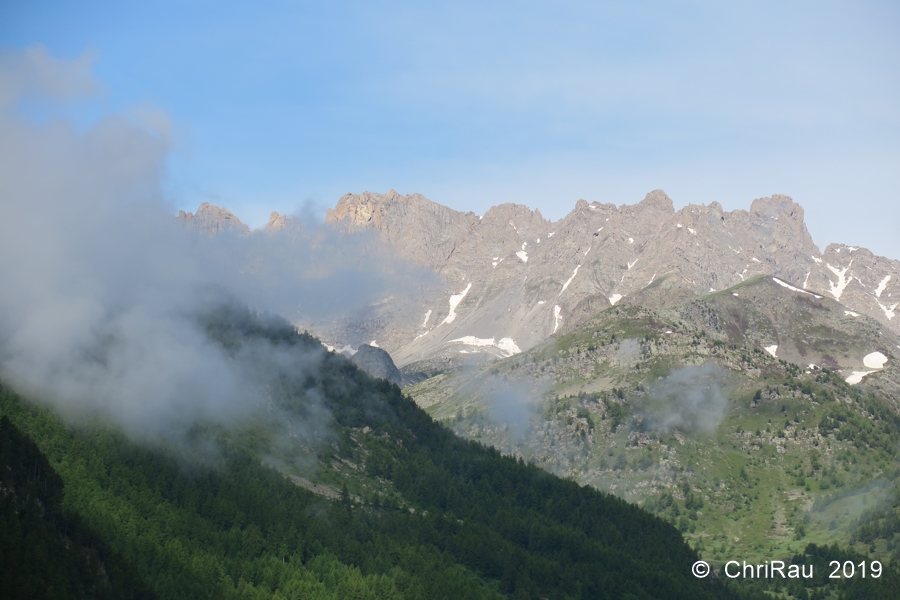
(471, 104)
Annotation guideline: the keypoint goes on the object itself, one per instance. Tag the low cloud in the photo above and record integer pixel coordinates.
(690, 399)
(512, 405)
(102, 290)
(34, 74)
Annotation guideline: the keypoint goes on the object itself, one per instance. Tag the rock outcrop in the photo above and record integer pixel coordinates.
(377, 363)
(212, 220)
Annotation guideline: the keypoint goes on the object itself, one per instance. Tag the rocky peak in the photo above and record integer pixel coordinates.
(425, 232)
(658, 200)
(276, 222)
(211, 220)
(776, 206)
(283, 223)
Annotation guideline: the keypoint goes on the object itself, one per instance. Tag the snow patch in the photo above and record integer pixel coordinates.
(678, 225)
(471, 340)
(588, 250)
(427, 316)
(494, 264)
(566, 284)
(374, 344)
(711, 290)
(652, 279)
(795, 289)
(630, 240)
(857, 376)
(818, 260)
(615, 298)
(772, 350)
(693, 231)
(634, 262)
(882, 286)
(556, 311)
(455, 299)
(805, 281)
(837, 289)
(888, 312)
(506, 345)
(542, 302)
(524, 244)
(851, 313)
(550, 235)
(734, 293)
(754, 259)
(875, 360)
(523, 256)
(509, 346)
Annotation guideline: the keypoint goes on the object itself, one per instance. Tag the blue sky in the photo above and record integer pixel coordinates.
(276, 103)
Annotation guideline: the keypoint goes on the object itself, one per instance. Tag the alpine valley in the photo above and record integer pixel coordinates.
(572, 409)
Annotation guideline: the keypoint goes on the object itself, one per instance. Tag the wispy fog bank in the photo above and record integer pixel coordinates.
(101, 287)
(511, 404)
(690, 399)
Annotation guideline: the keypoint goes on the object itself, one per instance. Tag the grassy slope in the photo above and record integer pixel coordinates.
(798, 456)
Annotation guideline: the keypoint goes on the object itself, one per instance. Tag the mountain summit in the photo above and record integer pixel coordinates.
(515, 278)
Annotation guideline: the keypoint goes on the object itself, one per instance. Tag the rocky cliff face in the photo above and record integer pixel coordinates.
(377, 363)
(515, 278)
(283, 223)
(211, 220)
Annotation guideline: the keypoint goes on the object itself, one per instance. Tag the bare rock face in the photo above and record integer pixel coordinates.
(514, 278)
(211, 220)
(377, 363)
(862, 282)
(279, 223)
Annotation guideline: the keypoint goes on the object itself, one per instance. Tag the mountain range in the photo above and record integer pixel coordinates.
(631, 390)
(638, 349)
(512, 278)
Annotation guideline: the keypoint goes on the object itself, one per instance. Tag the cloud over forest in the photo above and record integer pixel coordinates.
(101, 287)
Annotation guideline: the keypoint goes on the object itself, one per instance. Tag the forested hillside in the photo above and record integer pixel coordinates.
(45, 550)
(421, 513)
